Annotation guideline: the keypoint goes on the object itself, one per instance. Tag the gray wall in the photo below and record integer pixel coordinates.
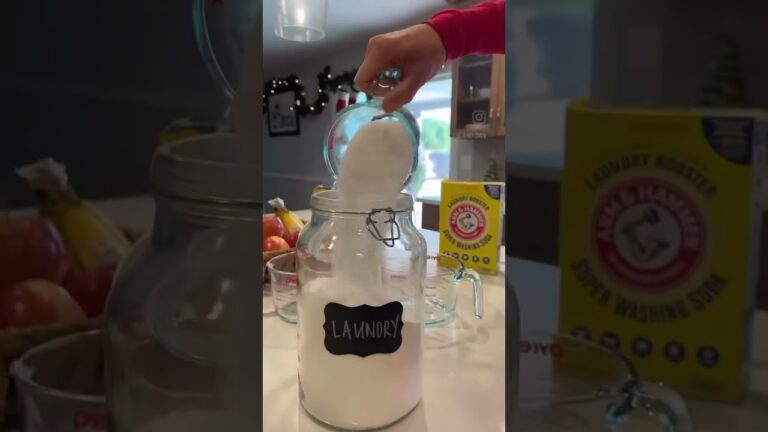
(660, 45)
(470, 158)
(92, 83)
(293, 165)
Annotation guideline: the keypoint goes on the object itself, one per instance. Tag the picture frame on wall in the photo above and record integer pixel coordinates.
(281, 119)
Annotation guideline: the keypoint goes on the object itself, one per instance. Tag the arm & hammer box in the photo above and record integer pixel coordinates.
(660, 221)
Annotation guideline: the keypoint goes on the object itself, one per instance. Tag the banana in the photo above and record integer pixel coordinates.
(292, 223)
(92, 240)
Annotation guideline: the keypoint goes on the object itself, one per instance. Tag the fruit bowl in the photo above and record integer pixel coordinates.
(268, 255)
(14, 342)
(276, 229)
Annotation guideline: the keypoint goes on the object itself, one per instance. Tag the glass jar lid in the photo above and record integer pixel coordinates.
(352, 118)
(214, 168)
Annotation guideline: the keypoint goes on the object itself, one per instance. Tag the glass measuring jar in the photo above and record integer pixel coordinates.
(568, 383)
(360, 272)
(441, 289)
(180, 343)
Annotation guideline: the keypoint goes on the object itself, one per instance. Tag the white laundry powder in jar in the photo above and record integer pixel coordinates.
(349, 391)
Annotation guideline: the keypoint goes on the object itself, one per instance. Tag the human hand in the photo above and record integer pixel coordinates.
(417, 51)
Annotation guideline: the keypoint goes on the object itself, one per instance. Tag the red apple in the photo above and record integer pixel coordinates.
(30, 248)
(37, 302)
(291, 238)
(274, 243)
(90, 289)
(272, 226)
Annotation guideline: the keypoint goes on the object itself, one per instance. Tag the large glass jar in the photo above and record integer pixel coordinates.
(180, 342)
(360, 306)
(360, 269)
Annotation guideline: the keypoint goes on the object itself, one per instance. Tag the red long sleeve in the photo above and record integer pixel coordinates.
(476, 30)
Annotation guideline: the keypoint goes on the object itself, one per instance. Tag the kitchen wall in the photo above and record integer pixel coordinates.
(294, 165)
(91, 84)
(470, 158)
(659, 45)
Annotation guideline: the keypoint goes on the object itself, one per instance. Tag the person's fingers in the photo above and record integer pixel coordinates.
(402, 93)
(376, 60)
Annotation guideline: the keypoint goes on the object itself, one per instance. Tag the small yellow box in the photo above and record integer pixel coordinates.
(470, 223)
(660, 221)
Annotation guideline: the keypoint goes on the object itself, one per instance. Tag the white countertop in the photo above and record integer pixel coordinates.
(464, 383)
(463, 387)
(537, 287)
(463, 370)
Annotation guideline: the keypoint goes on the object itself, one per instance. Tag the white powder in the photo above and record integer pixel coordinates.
(375, 166)
(376, 163)
(349, 391)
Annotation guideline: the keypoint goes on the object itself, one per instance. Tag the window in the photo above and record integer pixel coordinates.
(432, 108)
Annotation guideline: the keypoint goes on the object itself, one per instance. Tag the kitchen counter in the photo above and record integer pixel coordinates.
(464, 383)
(463, 369)
(537, 287)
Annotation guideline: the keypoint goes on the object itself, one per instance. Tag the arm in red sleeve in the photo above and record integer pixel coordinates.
(476, 30)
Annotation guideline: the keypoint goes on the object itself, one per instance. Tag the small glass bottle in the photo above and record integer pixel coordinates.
(180, 347)
(360, 268)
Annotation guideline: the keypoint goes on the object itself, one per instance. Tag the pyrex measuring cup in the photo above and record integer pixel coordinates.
(567, 383)
(60, 385)
(441, 289)
(282, 278)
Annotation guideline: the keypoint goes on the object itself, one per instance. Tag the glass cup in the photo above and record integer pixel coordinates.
(567, 383)
(301, 20)
(282, 279)
(441, 289)
(60, 385)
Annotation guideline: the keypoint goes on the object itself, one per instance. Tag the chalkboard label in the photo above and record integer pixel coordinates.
(363, 330)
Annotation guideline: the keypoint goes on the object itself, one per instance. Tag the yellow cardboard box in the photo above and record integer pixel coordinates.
(660, 220)
(470, 223)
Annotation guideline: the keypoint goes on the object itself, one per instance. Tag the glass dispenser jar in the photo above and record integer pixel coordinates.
(360, 268)
(180, 343)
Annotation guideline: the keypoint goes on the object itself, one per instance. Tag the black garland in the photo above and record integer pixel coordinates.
(326, 82)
